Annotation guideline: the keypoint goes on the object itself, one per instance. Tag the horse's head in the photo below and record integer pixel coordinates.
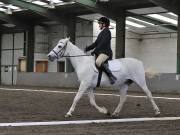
(59, 50)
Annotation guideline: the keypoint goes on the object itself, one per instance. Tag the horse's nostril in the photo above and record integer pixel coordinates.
(49, 57)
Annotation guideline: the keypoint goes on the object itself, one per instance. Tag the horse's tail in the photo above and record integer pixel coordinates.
(150, 73)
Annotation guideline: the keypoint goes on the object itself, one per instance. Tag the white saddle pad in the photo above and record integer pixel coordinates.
(114, 65)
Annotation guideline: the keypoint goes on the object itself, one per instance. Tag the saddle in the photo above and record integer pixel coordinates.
(114, 66)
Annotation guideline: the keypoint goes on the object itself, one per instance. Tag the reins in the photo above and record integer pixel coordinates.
(62, 51)
(77, 56)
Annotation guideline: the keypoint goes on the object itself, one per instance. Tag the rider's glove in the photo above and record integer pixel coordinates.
(85, 49)
(92, 53)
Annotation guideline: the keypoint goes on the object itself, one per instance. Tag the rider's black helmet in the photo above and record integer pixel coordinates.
(104, 20)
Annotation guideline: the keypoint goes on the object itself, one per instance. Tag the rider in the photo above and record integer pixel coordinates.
(102, 48)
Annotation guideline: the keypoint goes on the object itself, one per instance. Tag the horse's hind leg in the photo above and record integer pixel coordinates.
(93, 102)
(142, 83)
(149, 95)
(123, 95)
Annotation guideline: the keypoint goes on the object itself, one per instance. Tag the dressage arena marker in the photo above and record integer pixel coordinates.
(53, 123)
(100, 94)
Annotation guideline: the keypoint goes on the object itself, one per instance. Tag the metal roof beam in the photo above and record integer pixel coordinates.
(172, 5)
(136, 6)
(92, 5)
(39, 10)
(156, 22)
(13, 20)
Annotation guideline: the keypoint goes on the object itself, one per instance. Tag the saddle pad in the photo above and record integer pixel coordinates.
(114, 65)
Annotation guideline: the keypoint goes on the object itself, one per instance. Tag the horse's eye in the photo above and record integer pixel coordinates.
(59, 46)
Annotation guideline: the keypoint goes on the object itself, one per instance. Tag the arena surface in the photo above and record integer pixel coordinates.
(38, 106)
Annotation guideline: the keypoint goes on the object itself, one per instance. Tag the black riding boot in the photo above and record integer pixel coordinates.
(105, 68)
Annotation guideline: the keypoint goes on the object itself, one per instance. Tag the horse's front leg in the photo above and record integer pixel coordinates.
(93, 103)
(82, 88)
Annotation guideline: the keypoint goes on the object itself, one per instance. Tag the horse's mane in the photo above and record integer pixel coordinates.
(80, 57)
(78, 50)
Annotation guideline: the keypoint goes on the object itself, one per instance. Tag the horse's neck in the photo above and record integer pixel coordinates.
(77, 61)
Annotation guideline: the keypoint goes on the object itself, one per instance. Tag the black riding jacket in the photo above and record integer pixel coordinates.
(102, 43)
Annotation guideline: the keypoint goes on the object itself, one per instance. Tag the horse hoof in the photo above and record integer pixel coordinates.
(68, 115)
(114, 115)
(108, 113)
(157, 114)
(104, 110)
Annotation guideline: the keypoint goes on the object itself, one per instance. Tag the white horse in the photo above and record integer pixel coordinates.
(129, 69)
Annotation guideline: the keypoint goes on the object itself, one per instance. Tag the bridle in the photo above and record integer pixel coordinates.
(61, 52)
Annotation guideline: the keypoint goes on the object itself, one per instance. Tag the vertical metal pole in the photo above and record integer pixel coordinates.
(0, 55)
(178, 47)
(12, 67)
(71, 29)
(30, 49)
(25, 43)
(120, 35)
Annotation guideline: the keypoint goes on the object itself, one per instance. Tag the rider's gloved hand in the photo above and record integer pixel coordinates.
(92, 53)
(85, 49)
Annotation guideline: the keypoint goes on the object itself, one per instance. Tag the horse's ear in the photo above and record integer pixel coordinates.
(68, 38)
